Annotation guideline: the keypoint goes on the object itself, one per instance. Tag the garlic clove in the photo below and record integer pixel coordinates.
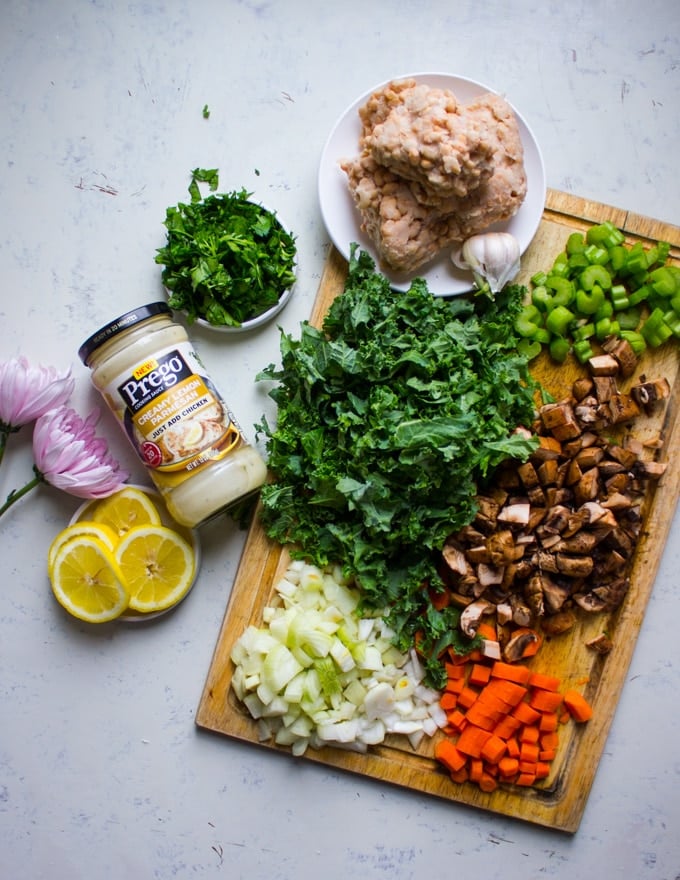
(492, 257)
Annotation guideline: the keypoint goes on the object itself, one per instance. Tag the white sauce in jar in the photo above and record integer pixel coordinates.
(152, 379)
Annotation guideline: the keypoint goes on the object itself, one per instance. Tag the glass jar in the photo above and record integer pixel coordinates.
(152, 379)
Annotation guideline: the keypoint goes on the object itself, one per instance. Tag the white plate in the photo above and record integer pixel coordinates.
(190, 535)
(342, 218)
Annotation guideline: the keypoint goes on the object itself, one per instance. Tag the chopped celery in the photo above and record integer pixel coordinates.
(600, 286)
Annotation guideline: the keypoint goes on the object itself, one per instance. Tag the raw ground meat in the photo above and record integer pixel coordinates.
(425, 135)
(410, 221)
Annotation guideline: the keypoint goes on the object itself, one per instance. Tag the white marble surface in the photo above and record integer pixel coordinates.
(102, 772)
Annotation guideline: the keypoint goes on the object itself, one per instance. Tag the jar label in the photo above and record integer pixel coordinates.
(173, 415)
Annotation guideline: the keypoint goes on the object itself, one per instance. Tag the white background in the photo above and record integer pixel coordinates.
(102, 771)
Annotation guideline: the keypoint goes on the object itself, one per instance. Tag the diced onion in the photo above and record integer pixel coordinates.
(314, 674)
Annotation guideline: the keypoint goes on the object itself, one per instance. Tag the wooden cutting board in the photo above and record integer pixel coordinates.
(560, 803)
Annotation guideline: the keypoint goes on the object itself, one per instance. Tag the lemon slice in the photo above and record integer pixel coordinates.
(194, 435)
(125, 510)
(98, 530)
(87, 580)
(158, 566)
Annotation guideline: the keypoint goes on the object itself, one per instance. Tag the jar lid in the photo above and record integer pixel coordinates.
(118, 325)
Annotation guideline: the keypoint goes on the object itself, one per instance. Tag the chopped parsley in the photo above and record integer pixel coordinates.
(227, 259)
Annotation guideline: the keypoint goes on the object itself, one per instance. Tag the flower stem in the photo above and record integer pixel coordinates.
(16, 494)
(4, 436)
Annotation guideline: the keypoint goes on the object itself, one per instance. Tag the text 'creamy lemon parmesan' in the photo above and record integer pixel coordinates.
(150, 375)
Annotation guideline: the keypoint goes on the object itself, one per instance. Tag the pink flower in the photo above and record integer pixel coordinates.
(27, 392)
(69, 456)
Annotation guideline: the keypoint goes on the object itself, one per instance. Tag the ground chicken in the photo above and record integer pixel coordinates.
(409, 209)
(424, 135)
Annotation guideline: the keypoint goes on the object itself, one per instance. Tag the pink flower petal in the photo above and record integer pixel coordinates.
(71, 457)
(28, 392)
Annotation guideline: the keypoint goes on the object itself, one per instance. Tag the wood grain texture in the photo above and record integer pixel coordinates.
(560, 802)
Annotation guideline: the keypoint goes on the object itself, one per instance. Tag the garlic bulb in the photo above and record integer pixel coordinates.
(492, 257)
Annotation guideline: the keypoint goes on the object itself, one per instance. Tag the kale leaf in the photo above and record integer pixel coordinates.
(388, 418)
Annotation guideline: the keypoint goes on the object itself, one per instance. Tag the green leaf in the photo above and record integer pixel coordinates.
(388, 417)
(226, 258)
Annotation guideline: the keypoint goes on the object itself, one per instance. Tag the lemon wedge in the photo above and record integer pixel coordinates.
(87, 581)
(125, 510)
(157, 565)
(98, 530)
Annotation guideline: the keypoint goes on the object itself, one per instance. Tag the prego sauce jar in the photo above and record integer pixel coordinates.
(152, 379)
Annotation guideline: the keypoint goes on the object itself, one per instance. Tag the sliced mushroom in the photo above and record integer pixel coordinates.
(472, 615)
(518, 645)
(455, 558)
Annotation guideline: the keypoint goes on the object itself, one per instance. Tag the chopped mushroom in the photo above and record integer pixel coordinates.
(557, 533)
(601, 644)
(519, 645)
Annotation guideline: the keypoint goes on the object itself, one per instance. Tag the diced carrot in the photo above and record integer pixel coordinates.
(454, 670)
(545, 701)
(486, 631)
(549, 740)
(542, 769)
(448, 701)
(529, 734)
(455, 685)
(509, 691)
(543, 681)
(528, 752)
(487, 719)
(447, 753)
(577, 706)
(494, 749)
(491, 703)
(440, 598)
(503, 719)
(456, 719)
(510, 672)
(467, 697)
(471, 740)
(479, 674)
(487, 783)
(548, 722)
(461, 775)
(524, 713)
(507, 726)
(476, 769)
(458, 659)
(471, 657)
(526, 779)
(513, 747)
(508, 766)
